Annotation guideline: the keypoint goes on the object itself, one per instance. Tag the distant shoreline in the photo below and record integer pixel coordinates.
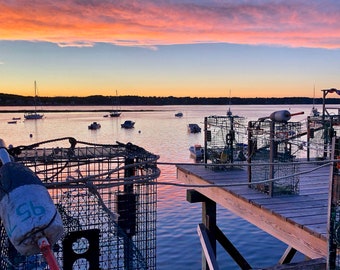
(16, 100)
(76, 110)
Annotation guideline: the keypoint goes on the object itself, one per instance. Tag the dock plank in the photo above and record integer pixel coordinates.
(299, 220)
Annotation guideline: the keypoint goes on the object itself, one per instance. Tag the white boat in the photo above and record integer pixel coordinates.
(94, 126)
(34, 115)
(128, 124)
(315, 112)
(116, 112)
(197, 151)
(194, 128)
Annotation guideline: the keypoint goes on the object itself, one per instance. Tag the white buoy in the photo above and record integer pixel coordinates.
(26, 209)
(280, 116)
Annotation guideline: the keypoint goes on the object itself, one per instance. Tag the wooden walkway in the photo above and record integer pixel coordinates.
(300, 220)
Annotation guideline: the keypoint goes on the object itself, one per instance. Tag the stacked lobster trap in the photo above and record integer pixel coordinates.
(273, 147)
(225, 138)
(320, 131)
(267, 148)
(106, 196)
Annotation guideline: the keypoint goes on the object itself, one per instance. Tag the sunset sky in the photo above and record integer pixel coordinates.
(197, 48)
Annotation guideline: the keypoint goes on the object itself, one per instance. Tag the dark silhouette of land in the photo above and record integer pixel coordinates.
(17, 100)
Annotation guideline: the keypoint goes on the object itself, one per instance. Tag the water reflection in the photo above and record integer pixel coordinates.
(160, 132)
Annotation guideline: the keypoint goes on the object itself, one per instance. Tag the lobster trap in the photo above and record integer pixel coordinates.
(225, 138)
(273, 147)
(320, 131)
(106, 196)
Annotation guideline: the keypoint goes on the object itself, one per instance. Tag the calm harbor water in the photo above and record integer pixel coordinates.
(160, 132)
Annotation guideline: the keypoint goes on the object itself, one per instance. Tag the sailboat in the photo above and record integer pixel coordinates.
(116, 112)
(314, 111)
(34, 115)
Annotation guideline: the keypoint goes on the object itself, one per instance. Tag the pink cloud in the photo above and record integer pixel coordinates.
(151, 23)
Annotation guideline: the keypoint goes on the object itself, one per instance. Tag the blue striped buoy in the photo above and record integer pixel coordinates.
(26, 209)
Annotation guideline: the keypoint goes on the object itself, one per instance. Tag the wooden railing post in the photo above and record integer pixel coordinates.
(334, 197)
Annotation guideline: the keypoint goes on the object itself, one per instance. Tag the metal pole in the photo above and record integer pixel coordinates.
(271, 157)
(334, 196)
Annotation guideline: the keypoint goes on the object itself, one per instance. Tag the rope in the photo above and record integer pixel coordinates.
(107, 182)
(151, 163)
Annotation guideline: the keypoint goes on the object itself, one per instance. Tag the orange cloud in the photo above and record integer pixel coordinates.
(150, 23)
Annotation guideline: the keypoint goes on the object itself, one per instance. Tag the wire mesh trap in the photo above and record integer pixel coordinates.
(106, 196)
(225, 139)
(275, 142)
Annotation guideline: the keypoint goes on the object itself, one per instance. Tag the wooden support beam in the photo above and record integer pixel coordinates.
(193, 196)
(208, 220)
(288, 255)
(230, 248)
(206, 247)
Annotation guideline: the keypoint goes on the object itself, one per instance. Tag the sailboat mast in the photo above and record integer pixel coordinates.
(229, 113)
(35, 96)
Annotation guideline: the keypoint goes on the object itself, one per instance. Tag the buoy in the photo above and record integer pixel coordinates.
(282, 116)
(26, 209)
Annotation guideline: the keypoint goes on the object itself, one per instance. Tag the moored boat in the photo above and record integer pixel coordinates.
(128, 124)
(194, 128)
(94, 126)
(116, 112)
(196, 151)
(34, 115)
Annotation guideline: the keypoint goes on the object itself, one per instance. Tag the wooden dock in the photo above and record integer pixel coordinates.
(299, 220)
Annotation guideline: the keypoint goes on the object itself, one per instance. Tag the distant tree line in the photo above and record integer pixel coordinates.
(17, 100)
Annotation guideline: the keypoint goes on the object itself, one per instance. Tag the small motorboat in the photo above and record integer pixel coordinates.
(115, 114)
(196, 151)
(179, 114)
(128, 124)
(194, 128)
(94, 126)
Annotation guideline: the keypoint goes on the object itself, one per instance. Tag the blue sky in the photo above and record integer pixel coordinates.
(170, 48)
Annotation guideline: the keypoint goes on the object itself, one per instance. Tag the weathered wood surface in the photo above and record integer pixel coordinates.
(316, 264)
(298, 220)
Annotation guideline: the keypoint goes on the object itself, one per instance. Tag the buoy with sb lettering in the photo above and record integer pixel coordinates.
(26, 208)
